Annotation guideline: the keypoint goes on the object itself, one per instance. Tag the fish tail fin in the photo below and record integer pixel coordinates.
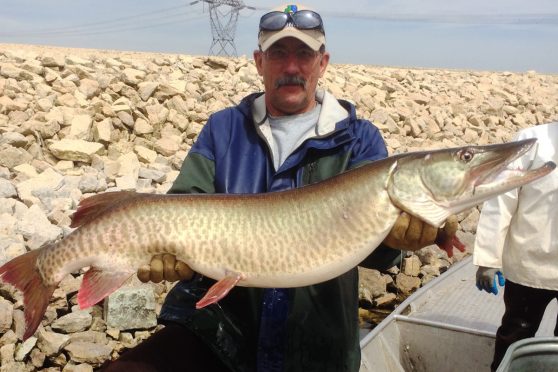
(22, 273)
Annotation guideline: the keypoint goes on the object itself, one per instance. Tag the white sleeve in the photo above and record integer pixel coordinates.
(496, 216)
(492, 229)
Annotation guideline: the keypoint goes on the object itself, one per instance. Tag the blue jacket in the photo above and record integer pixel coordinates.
(312, 328)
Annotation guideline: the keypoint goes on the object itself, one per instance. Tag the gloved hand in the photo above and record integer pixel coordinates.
(410, 233)
(486, 279)
(164, 267)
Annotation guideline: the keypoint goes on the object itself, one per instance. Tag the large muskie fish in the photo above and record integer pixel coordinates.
(281, 239)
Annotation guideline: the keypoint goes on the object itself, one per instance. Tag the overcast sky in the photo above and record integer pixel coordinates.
(497, 35)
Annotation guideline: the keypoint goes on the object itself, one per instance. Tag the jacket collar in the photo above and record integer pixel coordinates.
(331, 113)
(334, 117)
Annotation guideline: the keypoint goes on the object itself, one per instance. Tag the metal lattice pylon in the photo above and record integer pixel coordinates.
(223, 15)
(223, 27)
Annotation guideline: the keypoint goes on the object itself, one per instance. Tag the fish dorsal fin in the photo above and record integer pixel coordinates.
(98, 284)
(93, 206)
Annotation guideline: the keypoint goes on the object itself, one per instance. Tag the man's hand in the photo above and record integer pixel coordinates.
(164, 267)
(410, 233)
(486, 279)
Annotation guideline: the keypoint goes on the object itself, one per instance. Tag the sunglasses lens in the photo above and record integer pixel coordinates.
(273, 21)
(307, 20)
(303, 20)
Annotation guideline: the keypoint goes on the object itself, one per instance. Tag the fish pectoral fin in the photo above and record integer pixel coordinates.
(98, 284)
(219, 290)
(425, 210)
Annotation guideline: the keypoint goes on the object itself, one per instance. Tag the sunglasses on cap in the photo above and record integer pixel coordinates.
(302, 20)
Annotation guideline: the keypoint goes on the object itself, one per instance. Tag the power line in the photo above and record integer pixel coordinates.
(113, 29)
(107, 27)
(118, 23)
(491, 19)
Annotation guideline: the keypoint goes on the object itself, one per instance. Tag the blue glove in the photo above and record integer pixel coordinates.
(486, 279)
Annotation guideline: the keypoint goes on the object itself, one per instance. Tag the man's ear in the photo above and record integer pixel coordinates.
(324, 61)
(258, 57)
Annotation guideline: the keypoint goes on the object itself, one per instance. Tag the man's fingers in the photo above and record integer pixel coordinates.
(429, 234)
(183, 271)
(156, 269)
(143, 273)
(164, 267)
(400, 228)
(411, 233)
(169, 274)
(414, 232)
(451, 225)
(420, 234)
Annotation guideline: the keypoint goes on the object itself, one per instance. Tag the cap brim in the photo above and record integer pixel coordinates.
(313, 38)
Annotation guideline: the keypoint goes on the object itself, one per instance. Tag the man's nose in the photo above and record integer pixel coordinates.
(291, 63)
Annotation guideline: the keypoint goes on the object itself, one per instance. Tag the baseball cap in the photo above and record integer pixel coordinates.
(291, 21)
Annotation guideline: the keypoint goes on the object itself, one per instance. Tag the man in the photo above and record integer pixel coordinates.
(516, 235)
(291, 135)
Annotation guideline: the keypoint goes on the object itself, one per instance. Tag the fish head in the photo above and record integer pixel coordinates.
(433, 185)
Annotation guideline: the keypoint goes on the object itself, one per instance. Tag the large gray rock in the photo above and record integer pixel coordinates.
(411, 266)
(23, 349)
(75, 149)
(27, 190)
(131, 308)
(36, 228)
(7, 189)
(76, 321)
(51, 342)
(11, 156)
(88, 352)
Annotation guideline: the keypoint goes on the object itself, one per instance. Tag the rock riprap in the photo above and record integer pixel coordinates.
(76, 122)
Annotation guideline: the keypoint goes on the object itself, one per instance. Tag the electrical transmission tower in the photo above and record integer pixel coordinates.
(223, 15)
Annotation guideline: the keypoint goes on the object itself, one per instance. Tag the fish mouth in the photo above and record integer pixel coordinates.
(510, 178)
(495, 174)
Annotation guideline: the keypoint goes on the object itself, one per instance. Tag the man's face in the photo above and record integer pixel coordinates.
(290, 71)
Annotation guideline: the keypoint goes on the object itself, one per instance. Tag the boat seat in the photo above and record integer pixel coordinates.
(531, 354)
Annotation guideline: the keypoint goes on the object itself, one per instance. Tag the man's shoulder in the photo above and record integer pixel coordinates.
(364, 126)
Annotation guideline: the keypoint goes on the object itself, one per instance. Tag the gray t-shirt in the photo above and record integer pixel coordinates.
(290, 131)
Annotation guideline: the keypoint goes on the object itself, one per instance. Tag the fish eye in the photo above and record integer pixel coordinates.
(466, 155)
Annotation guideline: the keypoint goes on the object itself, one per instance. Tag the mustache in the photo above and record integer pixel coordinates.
(290, 80)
